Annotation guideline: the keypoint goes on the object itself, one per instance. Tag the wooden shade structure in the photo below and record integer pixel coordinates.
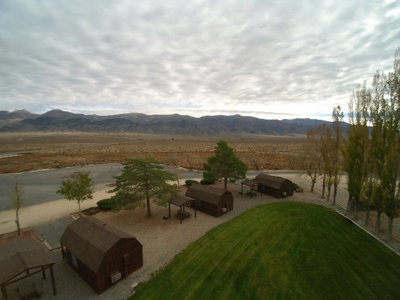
(250, 183)
(29, 262)
(181, 202)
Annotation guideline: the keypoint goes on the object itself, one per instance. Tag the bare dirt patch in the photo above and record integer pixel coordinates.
(11, 242)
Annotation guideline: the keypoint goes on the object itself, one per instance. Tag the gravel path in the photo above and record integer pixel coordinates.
(51, 231)
(163, 239)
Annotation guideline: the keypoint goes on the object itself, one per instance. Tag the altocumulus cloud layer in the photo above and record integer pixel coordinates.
(269, 59)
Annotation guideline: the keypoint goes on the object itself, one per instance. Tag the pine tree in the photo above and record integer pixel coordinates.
(143, 180)
(225, 164)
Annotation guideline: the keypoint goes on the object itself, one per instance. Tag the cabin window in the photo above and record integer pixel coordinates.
(198, 203)
(74, 260)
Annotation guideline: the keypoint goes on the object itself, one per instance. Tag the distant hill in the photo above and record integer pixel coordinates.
(10, 117)
(58, 120)
(16, 114)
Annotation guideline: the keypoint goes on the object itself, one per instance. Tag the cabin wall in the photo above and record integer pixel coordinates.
(228, 203)
(286, 187)
(115, 261)
(225, 202)
(86, 273)
(213, 209)
(267, 190)
(205, 207)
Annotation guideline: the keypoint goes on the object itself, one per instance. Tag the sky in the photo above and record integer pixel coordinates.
(266, 59)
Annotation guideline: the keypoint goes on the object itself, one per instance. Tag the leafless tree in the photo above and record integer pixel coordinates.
(310, 159)
(17, 199)
(189, 160)
(256, 160)
(173, 159)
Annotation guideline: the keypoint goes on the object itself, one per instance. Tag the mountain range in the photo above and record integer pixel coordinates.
(58, 120)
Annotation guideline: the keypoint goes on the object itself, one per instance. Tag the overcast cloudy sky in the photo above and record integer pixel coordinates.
(268, 59)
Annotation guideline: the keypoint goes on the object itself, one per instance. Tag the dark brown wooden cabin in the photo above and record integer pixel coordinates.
(274, 186)
(101, 254)
(210, 200)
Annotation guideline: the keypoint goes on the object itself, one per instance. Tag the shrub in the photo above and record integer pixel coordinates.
(295, 186)
(207, 182)
(91, 211)
(208, 178)
(189, 182)
(106, 204)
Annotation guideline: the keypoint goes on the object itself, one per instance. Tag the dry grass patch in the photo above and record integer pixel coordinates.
(57, 150)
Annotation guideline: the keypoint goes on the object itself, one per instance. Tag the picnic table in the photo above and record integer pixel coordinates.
(182, 214)
(251, 194)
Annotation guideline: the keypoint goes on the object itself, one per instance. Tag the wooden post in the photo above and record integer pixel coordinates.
(53, 282)
(3, 290)
(44, 273)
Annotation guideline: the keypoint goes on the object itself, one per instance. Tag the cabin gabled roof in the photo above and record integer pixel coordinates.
(89, 239)
(205, 193)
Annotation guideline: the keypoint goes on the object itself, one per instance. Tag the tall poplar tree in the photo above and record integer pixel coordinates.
(326, 141)
(377, 144)
(328, 147)
(355, 147)
(311, 155)
(337, 116)
(392, 160)
(373, 162)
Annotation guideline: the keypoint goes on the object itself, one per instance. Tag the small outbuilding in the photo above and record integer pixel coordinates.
(274, 186)
(101, 254)
(210, 200)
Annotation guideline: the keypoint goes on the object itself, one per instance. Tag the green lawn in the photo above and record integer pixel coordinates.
(280, 251)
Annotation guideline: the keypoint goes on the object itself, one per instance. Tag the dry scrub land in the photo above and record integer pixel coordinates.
(61, 149)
